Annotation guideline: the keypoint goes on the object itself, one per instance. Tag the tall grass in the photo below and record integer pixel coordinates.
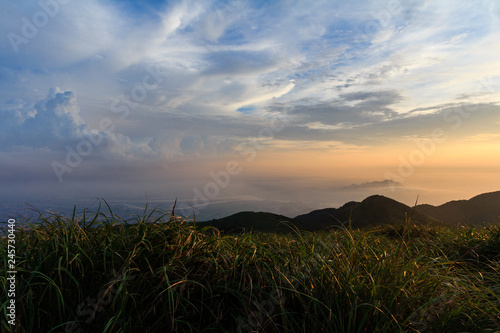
(99, 273)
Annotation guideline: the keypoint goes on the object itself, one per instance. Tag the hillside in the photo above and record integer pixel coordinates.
(483, 209)
(161, 274)
(373, 210)
(247, 221)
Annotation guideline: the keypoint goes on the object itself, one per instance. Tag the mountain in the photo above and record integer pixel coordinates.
(374, 210)
(483, 209)
(246, 221)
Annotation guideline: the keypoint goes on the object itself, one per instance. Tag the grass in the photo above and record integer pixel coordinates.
(98, 273)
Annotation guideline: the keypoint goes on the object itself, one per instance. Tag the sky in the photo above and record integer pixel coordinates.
(211, 101)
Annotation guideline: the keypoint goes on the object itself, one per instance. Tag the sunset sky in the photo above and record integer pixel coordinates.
(206, 101)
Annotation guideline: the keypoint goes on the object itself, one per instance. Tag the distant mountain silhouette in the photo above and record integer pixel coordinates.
(483, 209)
(257, 221)
(374, 210)
(375, 184)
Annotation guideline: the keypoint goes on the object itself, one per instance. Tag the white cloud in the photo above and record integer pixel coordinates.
(55, 123)
(45, 124)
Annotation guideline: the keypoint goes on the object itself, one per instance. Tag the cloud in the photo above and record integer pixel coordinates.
(57, 118)
(55, 123)
(372, 185)
(352, 108)
(344, 76)
(45, 123)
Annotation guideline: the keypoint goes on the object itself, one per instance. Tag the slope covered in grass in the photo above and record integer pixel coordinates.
(483, 209)
(96, 274)
(252, 221)
(374, 210)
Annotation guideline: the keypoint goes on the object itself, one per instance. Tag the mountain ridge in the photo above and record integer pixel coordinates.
(480, 210)
(373, 210)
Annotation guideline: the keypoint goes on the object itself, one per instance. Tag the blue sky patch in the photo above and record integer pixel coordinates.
(246, 109)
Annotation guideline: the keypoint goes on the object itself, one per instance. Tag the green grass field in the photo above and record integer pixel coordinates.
(95, 273)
